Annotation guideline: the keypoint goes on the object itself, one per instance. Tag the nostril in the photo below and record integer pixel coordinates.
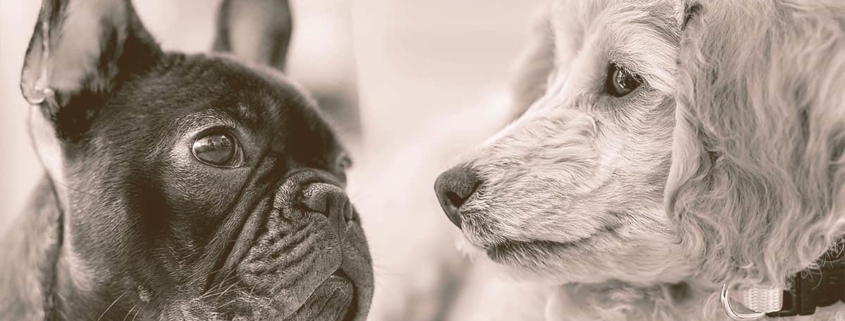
(317, 200)
(454, 199)
(328, 200)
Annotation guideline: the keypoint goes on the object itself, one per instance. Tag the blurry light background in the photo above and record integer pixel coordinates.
(411, 84)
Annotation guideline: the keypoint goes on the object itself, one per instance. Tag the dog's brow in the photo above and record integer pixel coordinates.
(245, 111)
(204, 119)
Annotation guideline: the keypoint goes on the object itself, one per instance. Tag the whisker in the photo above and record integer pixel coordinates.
(227, 303)
(73, 189)
(136, 314)
(216, 289)
(226, 290)
(110, 305)
(130, 312)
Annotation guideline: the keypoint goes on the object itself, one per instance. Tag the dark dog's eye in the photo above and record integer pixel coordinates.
(620, 82)
(217, 149)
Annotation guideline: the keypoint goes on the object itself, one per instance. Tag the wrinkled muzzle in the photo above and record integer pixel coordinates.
(308, 260)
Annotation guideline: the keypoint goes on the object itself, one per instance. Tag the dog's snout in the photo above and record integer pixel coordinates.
(330, 201)
(453, 188)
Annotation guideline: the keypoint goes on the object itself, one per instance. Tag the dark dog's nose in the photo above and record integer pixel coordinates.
(331, 201)
(453, 188)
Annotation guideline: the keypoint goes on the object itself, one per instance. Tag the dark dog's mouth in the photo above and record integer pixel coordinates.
(334, 297)
(352, 308)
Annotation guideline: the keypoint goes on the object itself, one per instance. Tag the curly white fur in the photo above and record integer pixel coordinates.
(743, 101)
(756, 185)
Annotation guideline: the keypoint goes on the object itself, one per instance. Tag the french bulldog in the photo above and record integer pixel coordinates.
(179, 187)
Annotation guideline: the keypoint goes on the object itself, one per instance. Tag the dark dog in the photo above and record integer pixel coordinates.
(179, 187)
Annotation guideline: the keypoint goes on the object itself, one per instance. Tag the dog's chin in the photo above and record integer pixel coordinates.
(512, 269)
(334, 299)
(475, 253)
(587, 260)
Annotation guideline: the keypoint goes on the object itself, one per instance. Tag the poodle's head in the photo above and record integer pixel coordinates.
(660, 136)
(755, 191)
(572, 191)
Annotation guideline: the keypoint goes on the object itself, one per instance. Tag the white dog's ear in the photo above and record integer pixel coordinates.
(534, 65)
(258, 31)
(78, 52)
(757, 182)
(691, 11)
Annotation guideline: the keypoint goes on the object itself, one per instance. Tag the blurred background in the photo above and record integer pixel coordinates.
(410, 85)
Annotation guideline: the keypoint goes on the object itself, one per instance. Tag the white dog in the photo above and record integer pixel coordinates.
(738, 105)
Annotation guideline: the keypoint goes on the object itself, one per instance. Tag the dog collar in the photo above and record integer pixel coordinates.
(811, 288)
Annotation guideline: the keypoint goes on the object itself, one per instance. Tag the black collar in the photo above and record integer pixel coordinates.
(816, 287)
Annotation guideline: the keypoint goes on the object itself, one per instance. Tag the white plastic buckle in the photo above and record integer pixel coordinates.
(771, 299)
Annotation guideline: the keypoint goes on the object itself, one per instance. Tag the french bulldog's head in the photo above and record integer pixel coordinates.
(191, 187)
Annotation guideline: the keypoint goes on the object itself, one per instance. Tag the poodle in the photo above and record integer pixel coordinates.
(666, 149)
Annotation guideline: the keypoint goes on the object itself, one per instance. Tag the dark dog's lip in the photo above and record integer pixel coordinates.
(352, 311)
(330, 289)
(333, 284)
(357, 266)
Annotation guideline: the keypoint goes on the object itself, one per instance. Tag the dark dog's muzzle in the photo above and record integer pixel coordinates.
(308, 260)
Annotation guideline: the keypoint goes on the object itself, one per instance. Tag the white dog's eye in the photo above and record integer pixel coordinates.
(620, 82)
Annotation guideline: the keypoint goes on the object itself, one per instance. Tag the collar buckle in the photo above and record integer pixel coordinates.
(725, 297)
(820, 286)
(815, 288)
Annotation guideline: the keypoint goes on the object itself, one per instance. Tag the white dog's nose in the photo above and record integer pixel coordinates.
(453, 188)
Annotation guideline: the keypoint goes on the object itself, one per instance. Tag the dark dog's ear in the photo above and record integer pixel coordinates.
(258, 31)
(79, 51)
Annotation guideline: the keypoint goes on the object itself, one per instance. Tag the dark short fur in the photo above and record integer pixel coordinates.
(137, 228)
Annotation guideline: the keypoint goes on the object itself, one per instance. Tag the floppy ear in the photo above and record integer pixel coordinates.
(79, 51)
(757, 182)
(258, 31)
